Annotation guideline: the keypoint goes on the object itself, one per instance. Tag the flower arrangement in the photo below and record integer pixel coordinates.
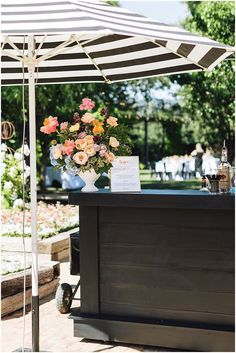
(11, 171)
(91, 140)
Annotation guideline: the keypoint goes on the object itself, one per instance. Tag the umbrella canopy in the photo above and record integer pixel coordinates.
(91, 41)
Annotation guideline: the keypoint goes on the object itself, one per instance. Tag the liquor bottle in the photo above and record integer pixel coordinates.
(223, 172)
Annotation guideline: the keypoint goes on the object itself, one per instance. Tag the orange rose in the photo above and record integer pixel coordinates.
(98, 129)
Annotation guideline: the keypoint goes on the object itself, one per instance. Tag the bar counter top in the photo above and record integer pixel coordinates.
(193, 199)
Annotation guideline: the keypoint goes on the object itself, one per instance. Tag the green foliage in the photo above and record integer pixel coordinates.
(207, 98)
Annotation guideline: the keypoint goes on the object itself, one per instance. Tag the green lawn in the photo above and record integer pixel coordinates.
(149, 181)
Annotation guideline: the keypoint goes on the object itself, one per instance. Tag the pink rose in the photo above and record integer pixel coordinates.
(49, 125)
(96, 147)
(68, 147)
(87, 104)
(63, 126)
(102, 153)
(103, 147)
(87, 118)
(82, 135)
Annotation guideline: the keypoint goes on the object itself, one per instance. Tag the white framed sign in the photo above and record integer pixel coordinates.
(125, 174)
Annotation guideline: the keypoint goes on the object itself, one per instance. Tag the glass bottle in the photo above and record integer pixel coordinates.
(224, 172)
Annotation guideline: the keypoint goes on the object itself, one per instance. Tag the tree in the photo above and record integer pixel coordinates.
(208, 97)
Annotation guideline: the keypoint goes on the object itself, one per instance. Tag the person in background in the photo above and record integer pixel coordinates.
(198, 153)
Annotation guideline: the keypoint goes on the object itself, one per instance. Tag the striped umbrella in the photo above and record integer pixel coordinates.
(90, 41)
(63, 41)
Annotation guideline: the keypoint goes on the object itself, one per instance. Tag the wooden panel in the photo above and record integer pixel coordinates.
(89, 268)
(173, 263)
(185, 338)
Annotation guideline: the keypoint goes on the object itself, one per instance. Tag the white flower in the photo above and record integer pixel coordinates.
(8, 185)
(2, 168)
(12, 172)
(18, 156)
(27, 171)
(22, 165)
(4, 147)
(2, 156)
(26, 150)
(18, 203)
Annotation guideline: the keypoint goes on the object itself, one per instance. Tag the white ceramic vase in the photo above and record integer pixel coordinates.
(89, 177)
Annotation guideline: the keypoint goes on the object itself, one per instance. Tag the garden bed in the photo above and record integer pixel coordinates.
(51, 220)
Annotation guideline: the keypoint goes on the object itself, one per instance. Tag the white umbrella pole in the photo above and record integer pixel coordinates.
(33, 197)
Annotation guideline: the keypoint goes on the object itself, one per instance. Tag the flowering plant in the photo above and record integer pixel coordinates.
(91, 140)
(13, 169)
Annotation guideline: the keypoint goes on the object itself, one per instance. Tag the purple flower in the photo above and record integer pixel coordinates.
(105, 111)
(97, 138)
(76, 118)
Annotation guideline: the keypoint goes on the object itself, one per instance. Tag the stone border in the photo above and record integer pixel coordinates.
(56, 247)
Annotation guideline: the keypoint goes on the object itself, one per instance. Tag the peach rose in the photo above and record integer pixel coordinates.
(113, 142)
(90, 150)
(80, 158)
(57, 151)
(109, 156)
(89, 139)
(81, 144)
(49, 125)
(68, 147)
(112, 121)
(75, 127)
(87, 118)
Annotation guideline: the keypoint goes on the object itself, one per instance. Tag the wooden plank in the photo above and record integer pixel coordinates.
(167, 235)
(150, 312)
(186, 338)
(15, 302)
(168, 278)
(89, 268)
(212, 219)
(143, 254)
(153, 296)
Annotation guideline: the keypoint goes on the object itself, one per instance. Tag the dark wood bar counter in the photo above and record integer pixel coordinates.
(157, 268)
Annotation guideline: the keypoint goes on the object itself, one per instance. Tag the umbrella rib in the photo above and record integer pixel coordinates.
(7, 53)
(182, 56)
(94, 63)
(7, 40)
(56, 51)
(40, 45)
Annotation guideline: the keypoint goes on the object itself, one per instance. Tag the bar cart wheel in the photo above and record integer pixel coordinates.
(64, 297)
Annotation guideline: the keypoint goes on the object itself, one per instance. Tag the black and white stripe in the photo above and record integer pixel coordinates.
(106, 43)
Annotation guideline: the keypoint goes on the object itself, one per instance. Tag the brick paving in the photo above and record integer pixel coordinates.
(56, 330)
